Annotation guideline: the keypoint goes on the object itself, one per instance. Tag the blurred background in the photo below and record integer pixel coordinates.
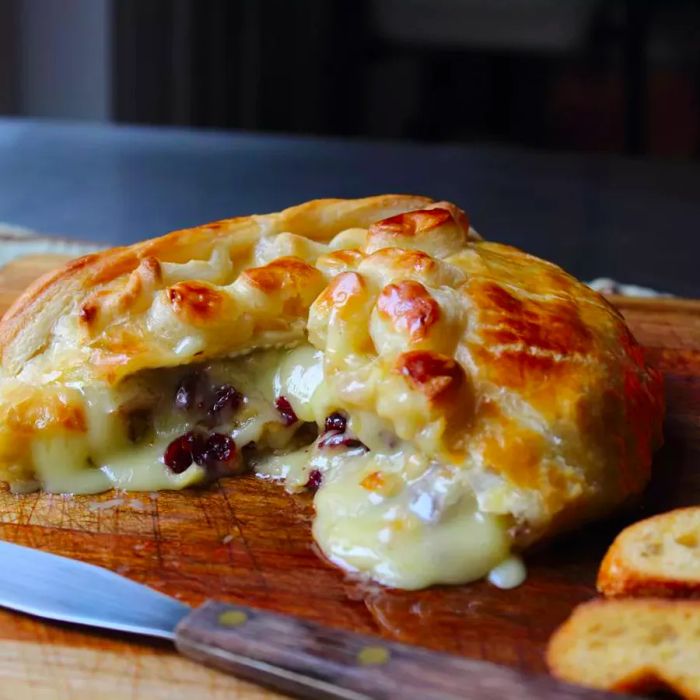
(612, 76)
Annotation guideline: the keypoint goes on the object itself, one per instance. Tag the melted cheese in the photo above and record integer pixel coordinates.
(510, 573)
(388, 513)
(104, 457)
(406, 535)
(392, 515)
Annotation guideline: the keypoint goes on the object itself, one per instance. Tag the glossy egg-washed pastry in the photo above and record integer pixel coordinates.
(449, 400)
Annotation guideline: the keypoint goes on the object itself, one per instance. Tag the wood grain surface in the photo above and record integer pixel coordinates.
(247, 541)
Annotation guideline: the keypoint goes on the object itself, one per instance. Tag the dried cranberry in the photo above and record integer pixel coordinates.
(333, 440)
(214, 452)
(336, 421)
(314, 480)
(187, 390)
(226, 397)
(285, 410)
(219, 455)
(178, 454)
(219, 448)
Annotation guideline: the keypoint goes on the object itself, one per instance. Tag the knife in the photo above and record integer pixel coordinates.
(286, 653)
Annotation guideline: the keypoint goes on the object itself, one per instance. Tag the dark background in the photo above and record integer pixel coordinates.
(613, 76)
(569, 128)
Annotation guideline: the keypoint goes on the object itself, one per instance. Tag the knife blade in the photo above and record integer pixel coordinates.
(289, 654)
(68, 590)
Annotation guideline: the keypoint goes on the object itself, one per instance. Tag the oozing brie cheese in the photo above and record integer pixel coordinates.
(106, 455)
(383, 508)
(408, 533)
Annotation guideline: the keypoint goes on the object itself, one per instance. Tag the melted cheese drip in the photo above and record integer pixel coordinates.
(425, 532)
(510, 573)
(392, 515)
(388, 513)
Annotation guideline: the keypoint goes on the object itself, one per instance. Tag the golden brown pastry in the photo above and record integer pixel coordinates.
(451, 400)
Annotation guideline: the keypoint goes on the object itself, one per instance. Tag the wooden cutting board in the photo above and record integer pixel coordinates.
(248, 541)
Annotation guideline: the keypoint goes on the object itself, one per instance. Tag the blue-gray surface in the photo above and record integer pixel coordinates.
(636, 221)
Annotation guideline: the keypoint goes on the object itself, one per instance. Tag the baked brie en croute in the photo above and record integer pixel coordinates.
(450, 400)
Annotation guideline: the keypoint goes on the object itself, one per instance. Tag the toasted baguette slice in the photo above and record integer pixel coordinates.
(659, 556)
(634, 645)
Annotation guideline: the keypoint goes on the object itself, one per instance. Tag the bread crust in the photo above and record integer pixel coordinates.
(634, 645)
(488, 359)
(624, 574)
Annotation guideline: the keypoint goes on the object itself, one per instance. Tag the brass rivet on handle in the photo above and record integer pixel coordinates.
(373, 656)
(233, 618)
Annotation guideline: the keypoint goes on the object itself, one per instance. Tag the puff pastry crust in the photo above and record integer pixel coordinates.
(502, 378)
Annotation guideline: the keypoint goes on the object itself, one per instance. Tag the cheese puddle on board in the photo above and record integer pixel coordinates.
(394, 516)
(429, 532)
(383, 509)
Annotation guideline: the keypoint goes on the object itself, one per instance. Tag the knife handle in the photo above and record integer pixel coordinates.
(306, 659)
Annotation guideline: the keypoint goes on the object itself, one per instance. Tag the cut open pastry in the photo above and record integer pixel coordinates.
(450, 400)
